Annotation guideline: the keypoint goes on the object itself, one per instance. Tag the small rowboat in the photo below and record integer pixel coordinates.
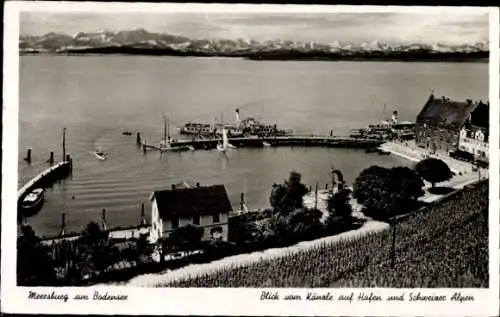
(100, 155)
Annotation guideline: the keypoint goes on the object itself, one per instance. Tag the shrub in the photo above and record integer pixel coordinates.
(434, 170)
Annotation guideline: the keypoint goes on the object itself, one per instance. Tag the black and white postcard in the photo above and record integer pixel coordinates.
(214, 159)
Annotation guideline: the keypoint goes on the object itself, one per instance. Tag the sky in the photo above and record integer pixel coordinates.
(449, 28)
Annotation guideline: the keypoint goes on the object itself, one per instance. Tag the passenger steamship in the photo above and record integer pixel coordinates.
(387, 130)
(246, 127)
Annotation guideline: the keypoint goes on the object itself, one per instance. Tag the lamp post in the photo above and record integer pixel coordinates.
(393, 260)
(393, 248)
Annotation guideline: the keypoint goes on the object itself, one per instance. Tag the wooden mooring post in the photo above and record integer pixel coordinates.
(51, 158)
(63, 224)
(28, 155)
(143, 222)
(104, 224)
(138, 138)
(316, 197)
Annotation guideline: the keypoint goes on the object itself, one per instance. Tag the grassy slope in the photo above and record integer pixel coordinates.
(447, 246)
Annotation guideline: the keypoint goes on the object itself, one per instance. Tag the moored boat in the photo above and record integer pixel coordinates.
(166, 144)
(33, 201)
(196, 128)
(225, 145)
(167, 147)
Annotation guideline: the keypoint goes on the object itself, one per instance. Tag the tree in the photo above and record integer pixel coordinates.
(434, 170)
(143, 246)
(339, 212)
(295, 226)
(242, 229)
(305, 222)
(186, 238)
(98, 250)
(339, 204)
(371, 187)
(288, 197)
(35, 266)
(386, 191)
(408, 181)
(93, 235)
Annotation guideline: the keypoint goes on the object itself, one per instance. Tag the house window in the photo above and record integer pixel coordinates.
(175, 223)
(216, 218)
(196, 220)
(216, 233)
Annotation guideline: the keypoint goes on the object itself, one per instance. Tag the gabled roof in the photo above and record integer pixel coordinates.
(445, 113)
(481, 116)
(192, 202)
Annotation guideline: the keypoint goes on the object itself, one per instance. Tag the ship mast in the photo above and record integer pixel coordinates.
(64, 144)
(168, 129)
(164, 128)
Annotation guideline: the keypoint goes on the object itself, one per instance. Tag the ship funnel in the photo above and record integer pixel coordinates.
(237, 117)
(395, 117)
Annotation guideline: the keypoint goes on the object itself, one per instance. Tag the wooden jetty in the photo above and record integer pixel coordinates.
(293, 140)
(48, 176)
(45, 178)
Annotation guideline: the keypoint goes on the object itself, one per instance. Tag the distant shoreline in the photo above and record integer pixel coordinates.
(412, 56)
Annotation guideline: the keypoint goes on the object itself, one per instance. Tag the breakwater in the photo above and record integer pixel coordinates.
(295, 140)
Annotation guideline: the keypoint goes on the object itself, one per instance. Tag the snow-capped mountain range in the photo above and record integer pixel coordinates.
(140, 38)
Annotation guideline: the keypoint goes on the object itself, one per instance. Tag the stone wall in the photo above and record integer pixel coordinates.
(440, 139)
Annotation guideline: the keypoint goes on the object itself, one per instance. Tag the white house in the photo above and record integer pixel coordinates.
(474, 135)
(474, 140)
(204, 206)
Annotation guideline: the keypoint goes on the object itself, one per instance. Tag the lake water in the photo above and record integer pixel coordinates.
(97, 97)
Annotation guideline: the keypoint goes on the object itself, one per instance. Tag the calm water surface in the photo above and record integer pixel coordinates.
(97, 98)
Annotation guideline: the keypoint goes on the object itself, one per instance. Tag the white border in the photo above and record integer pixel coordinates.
(223, 301)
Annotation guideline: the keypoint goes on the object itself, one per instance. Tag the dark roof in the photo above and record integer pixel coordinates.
(480, 117)
(445, 113)
(191, 202)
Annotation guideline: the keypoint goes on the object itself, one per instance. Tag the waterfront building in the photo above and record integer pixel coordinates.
(440, 121)
(474, 136)
(205, 206)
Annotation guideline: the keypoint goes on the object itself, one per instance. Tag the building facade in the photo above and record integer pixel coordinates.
(439, 124)
(474, 140)
(207, 207)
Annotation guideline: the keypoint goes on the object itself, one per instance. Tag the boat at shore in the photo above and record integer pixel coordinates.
(33, 201)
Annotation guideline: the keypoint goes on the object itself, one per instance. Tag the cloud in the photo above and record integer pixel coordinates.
(324, 27)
